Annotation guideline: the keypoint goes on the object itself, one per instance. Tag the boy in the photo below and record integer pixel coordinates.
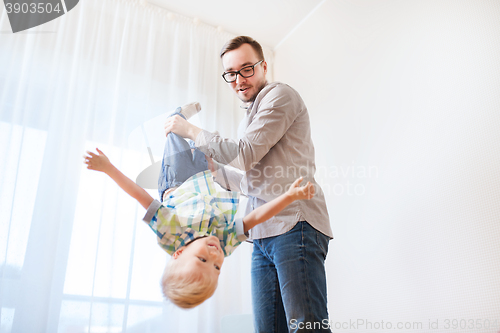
(194, 223)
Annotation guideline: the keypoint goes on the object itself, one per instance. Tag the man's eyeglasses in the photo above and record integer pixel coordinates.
(245, 72)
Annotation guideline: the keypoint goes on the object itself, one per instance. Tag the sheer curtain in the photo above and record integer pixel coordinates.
(74, 254)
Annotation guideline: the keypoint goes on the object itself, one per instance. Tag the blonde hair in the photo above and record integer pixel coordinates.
(186, 290)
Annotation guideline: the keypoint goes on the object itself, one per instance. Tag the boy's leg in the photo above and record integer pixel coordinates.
(179, 163)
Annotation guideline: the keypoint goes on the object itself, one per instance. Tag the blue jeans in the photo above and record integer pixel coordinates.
(179, 163)
(289, 281)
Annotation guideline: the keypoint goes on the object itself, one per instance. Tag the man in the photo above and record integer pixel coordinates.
(274, 148)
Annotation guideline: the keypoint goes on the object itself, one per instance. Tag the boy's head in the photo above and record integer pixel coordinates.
(193, 271)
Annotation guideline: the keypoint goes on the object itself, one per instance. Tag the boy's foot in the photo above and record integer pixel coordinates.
(189, 110)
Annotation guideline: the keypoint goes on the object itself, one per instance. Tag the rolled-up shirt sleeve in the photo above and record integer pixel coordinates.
(152, 209)
(240, 230)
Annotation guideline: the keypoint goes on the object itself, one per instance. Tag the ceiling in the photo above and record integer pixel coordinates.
(268, 21)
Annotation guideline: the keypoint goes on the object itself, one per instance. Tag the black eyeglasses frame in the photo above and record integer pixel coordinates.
(239, 72)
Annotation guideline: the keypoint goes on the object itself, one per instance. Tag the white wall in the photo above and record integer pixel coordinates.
(404, 98)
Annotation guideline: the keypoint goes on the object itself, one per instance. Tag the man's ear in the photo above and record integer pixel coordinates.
(265, 67)
(178, 253)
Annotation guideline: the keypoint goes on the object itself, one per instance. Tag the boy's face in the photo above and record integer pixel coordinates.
(203, 254)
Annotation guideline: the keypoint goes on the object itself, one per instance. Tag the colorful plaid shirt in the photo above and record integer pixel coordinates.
(195, 209)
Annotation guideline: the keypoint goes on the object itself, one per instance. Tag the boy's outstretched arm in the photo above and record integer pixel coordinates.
(100, 162)
(273, 207)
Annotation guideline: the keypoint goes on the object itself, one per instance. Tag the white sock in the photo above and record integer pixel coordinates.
(190, 109)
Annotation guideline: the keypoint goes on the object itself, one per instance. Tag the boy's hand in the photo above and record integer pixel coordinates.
(299, 193)
(97, 162)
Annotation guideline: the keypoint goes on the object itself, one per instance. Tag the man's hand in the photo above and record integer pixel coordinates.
(97, 162)
(180, 126)
(299, 193)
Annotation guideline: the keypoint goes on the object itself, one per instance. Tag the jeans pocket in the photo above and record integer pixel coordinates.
(322, 241)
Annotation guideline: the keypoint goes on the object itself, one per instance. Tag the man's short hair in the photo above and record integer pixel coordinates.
(236, 42)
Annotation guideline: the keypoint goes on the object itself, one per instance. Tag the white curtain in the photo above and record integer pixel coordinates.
(74, 253)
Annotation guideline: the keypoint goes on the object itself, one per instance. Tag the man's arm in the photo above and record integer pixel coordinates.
(278, 109)
(228, 177)
(275, 206)
(101, 163)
